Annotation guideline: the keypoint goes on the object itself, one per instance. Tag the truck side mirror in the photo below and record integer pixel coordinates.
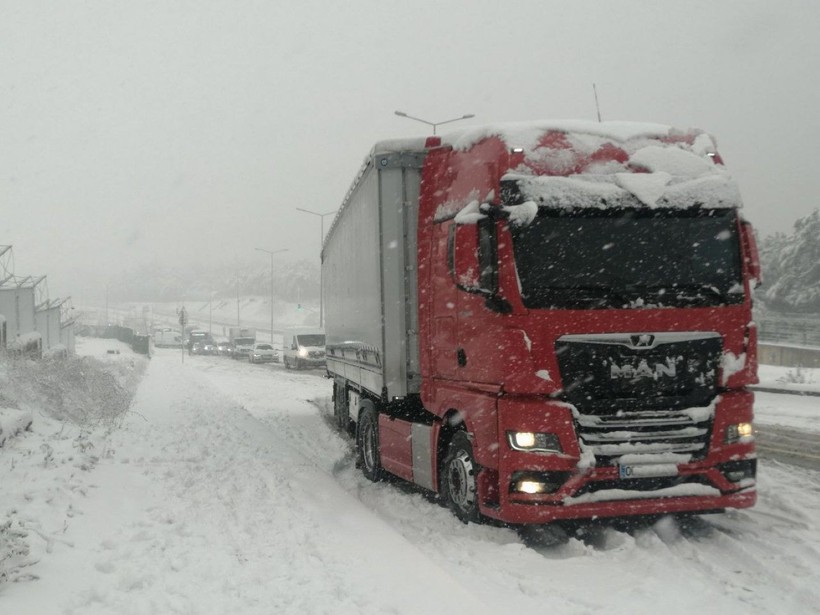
(750, 253)
(474, 263)
(463, 251)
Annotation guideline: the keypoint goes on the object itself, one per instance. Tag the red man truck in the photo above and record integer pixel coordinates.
(547, 321)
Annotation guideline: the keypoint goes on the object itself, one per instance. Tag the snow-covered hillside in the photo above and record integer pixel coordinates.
(226, 489)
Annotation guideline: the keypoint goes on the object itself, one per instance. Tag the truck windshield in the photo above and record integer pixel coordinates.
(614, 258)
(311, 340)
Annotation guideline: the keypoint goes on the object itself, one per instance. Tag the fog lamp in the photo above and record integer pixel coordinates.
(530, 486)
(736, 471)
(537, 482)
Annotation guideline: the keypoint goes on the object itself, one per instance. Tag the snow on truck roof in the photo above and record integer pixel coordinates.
(660, 165)
(527, 135)
(576, 163)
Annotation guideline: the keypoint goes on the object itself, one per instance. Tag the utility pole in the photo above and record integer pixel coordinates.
(321, 276)
(434, 124)
(271, 253)
(597, 106)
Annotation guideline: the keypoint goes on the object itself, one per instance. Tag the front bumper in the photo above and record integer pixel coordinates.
(312, 362)
(582, 486)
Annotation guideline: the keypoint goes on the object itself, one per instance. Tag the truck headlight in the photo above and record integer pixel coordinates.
(303, 352)
(534, 442)
(739, 432)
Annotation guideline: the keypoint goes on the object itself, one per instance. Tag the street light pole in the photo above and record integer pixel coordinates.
(321, 276)
(271, 285)
(434, 124)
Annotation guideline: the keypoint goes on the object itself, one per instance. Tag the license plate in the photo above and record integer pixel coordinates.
(650, 470)
(626, 471)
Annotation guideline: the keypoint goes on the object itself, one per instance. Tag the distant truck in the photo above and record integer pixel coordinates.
(303, 347)
(200, 337)
(547, 322)
(242, 339)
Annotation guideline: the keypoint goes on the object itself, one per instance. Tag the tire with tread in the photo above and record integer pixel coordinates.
(458, 479)
(340, 411)
(367, 444)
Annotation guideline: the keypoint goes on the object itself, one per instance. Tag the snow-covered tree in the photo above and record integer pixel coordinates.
(792, 267)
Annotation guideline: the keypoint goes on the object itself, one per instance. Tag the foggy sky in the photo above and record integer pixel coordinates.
(135, 131)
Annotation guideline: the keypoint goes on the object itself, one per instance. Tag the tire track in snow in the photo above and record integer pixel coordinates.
(238, 488)
(756, 561)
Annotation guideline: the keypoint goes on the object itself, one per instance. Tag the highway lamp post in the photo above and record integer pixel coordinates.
(271, 253)
(321, 277)
(210, 312)
(434, 124)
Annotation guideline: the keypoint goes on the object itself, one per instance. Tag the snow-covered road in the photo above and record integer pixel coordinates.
(227, 490)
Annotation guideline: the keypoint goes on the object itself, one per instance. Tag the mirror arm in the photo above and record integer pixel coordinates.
(497, 303)
(494, 211)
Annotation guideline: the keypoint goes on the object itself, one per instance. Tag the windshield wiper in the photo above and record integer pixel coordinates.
(602, 295)
(700, 290)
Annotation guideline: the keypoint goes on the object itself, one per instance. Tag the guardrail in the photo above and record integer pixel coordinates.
(789, 329)
(788, 355)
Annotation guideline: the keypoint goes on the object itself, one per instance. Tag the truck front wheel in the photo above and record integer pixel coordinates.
(459, 486)
(367, 440)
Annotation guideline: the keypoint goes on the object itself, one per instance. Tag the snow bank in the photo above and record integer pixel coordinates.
(64, 412)
(802, 379)
(12, 422)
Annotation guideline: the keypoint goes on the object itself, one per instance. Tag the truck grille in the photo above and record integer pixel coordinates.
(683, 434)
(642, 393)
(609, 373)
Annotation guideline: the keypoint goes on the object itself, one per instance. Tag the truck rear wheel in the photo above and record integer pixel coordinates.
(367, 443)
(458, 481)
(340, 410)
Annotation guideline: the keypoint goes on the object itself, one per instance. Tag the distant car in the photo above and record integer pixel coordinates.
(262, 352)
(225, 349)
(203, 347)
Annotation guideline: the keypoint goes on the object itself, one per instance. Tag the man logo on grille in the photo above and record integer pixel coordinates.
(656, 371)
(644, 340)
